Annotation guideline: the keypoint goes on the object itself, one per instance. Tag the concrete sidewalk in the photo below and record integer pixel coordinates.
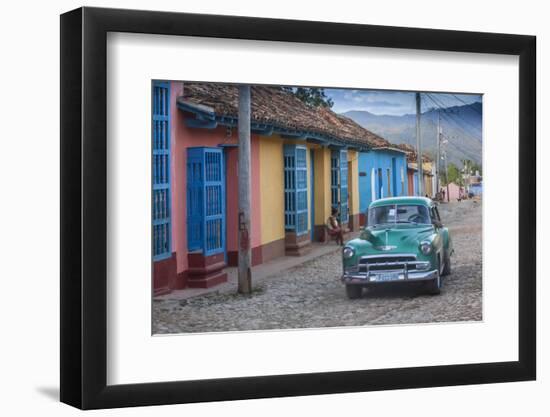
(259, 272)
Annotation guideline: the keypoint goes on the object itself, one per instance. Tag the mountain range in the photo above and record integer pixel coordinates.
(461, 128)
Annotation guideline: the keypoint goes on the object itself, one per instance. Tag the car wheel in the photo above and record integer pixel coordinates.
(447, 266)
(354, 291)
(434, 286)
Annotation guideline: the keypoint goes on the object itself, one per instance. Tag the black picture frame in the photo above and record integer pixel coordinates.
(84, 207)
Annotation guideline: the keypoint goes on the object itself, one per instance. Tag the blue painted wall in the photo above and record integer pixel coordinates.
(369, 164)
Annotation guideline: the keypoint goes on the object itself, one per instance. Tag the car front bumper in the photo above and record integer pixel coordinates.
(380, 277)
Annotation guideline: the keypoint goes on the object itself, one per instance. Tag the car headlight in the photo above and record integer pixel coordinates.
(426, 248)
(348, 252)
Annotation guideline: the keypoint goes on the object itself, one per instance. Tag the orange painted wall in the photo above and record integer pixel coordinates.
(182, 138)
(232, 193)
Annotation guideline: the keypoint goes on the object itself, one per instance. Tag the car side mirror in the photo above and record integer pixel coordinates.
(437, 223)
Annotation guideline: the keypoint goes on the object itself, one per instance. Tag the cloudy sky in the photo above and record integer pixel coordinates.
(391, 102)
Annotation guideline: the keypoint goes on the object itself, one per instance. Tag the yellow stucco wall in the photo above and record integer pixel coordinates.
(322, 185)
(427, 168)
(309, 147)
(353, 182)
(272, 184)
(272, 193)
(428, 189)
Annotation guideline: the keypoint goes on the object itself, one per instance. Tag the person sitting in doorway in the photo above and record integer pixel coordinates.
(333, 227)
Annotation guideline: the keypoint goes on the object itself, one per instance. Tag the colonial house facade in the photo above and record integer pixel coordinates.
(382, 173)
(429, 187)
(304, 162)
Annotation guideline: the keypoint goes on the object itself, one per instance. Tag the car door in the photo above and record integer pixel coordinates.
(442, 231)
(436, 221)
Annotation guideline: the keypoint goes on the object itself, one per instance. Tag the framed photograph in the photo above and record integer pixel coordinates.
(259, 208)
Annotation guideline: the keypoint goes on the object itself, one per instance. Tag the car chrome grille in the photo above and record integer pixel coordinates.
(387, 263)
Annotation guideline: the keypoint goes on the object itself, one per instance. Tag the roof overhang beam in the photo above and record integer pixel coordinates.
(203, 124)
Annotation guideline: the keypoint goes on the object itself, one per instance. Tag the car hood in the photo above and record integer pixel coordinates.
(397, 238)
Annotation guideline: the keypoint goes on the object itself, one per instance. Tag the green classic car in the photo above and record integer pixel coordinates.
(403, 241)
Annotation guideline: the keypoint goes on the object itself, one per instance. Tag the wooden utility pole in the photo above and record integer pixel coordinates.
(447, 176)
(419, 147)
(438, 157)
(245, 280)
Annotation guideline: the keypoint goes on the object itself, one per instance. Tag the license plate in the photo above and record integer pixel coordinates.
(388, 276)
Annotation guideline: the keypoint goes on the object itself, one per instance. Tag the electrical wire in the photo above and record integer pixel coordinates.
(441, 106)
(447, 116)
(463, 102)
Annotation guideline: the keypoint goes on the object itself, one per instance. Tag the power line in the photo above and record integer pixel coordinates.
(467, 104)
(457, 114)
(446, 108)
(457, 126)
(447, 114)
(459, 148)
(442, 106)
(468, 153)
(460, 100)
(447, 117)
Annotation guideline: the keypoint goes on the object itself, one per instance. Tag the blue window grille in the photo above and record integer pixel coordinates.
(395, 191)
(296, 205)
(339, 183)
(161, 171)
(205, 200)
(334, 180)
(380, 183)
(344, 210)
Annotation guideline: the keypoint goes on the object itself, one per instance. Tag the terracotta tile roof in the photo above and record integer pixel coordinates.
(411, 153)
(280, 108)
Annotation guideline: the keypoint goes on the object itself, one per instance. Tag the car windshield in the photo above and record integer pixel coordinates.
(393, 214)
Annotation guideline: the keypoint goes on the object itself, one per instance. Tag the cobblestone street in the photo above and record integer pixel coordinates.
(311, 295)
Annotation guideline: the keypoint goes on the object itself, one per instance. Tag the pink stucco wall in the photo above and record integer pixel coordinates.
(454, 191)
(182, 138)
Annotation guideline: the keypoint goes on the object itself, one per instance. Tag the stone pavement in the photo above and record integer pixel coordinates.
(259, 272)
(310, 295)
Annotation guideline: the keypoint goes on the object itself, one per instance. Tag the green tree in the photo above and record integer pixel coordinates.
(313, 97)
(470, 167)
(453, 175)
(476, 167)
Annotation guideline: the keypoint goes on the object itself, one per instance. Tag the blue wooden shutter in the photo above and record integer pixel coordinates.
(195, 185)
(161, 171)
(289, 155)
(339, 183)
(205, 200)
(301, 190)
(334, 179)
(214, 202)
(344, 212)
(380, 183)
(295, 182)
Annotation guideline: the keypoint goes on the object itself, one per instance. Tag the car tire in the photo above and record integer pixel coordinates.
(447, 266)
(434, 286)
(354, 291)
